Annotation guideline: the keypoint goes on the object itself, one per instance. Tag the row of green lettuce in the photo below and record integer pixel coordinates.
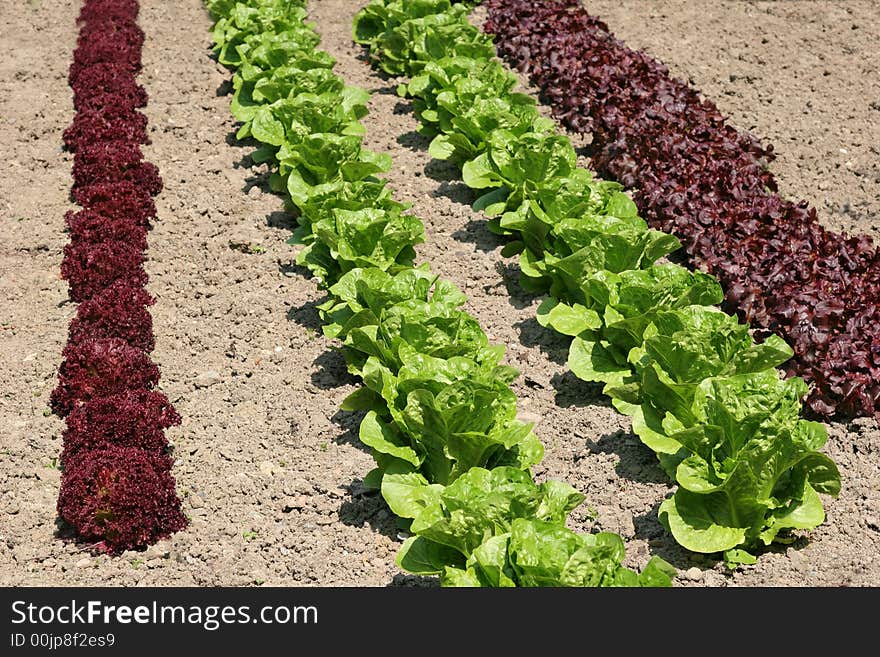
(701, 393)
(453, 461)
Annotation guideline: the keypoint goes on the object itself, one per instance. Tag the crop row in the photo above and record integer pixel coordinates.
(453, 462)
(702, 393)
(697, 177)
(116, 488)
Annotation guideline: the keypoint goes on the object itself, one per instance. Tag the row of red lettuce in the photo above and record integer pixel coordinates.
(117, 490)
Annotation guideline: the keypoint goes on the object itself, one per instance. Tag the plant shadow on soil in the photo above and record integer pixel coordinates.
(67, 535)
(332, 369)
(476, 231)
(333, 372)
(572, 391)
(283, 220)
(415, 581)
(451, 186)
(225, 88)
(635, 461)
(305, 315)
(413, 141)
(366, 507)
(363, 506)
(550, 343)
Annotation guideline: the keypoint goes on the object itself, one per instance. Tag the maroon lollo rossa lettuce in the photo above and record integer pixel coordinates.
(98, 10)
(123, 31)
(118, 311)
(107, 79)
(133, 418)
(91, 226)
(699, 178)
(89, 267)
(105, 101)
(119, 200)
(99, 37)
(105, 49)
(123, 497)
(114, 161)
(116, 489)
(90, 126)
(99, 367)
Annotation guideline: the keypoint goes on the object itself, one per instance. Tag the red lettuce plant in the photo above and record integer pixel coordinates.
(113, 123)
(89, 267)
(118, 311)
(97, 10)
(117, 200)
(122, 30)
(105, 48)
(99, 367)
(104, 102)
(133, 418)
(91, 226)
(112, 161)
(100, 81)
(121, 496)
(117, 487)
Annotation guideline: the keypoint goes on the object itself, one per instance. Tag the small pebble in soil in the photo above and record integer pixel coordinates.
(206, 379)
(693, 574)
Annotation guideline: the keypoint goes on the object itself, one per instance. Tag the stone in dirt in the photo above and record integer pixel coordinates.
(207, 379)
(693, 574)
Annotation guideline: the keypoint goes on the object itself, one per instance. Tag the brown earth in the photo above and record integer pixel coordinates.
(268, 467)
